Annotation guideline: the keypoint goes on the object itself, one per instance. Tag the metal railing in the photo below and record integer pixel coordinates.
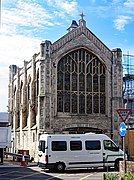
(17, 156)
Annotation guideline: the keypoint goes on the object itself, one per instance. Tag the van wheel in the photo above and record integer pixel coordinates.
(60, 167)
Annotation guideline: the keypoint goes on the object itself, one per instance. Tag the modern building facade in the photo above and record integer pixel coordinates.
(73, 85)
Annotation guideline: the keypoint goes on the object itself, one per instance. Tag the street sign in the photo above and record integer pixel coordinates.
(122, 129)
(124, 113)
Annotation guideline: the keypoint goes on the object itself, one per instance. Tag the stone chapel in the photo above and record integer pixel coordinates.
(73, 85)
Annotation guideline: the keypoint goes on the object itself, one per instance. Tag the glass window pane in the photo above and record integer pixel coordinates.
(95, 83)
(102, 104)
(89, 82)
(93, 145)
(109, 145)
(67, 81)
(102, 83)
(60, 81)
(96, 104)
(81, 104)
(75, 145)
(74, 103)
(74, 82)
(81, 82)
(60, 66)
(67, 102)
(89, 104)
(42, 146)
(59, 145)
(60, 102)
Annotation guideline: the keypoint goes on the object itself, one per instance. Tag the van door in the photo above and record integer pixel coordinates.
(111, 152)
(94, 153)
(75, 155)
(42, 153)
(87, 155)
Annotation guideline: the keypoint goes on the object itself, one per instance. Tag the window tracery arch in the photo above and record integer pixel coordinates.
(81, 83)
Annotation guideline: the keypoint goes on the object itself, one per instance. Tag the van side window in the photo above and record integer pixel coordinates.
(109, 145)
(75, 145)
(59, 145)
(93, 145)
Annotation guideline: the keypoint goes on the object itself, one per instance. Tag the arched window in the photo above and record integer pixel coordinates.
(37, 91)
(81, 83)
(37, 84)
(21, 91)
(28, 88)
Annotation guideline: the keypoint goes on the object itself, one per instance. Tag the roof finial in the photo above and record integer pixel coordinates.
(82, 15)
(82, 22)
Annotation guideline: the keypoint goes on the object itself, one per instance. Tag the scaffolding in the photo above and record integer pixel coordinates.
(128, 81)
(128, 96)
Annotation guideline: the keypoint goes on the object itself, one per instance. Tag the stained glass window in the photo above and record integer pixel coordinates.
(81, 83)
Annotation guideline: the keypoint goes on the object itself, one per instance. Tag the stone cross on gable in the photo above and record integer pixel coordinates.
(82, 15)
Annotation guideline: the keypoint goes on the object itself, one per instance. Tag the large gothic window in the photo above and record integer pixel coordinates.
(81, 83)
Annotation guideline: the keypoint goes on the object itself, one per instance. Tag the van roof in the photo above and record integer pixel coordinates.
(74, 135)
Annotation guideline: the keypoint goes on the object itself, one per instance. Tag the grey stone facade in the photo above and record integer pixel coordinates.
(33, 92)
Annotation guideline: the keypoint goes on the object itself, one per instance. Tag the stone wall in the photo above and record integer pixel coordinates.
(129, 167)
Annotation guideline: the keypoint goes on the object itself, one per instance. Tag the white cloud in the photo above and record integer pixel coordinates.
(26, 14)
(64, 7)
(121, 12)
(17, 48)
(69, 7)
(22, 20)
(121, 21)
(30, 14)
(126, 11)
(129, 3)
(14, 50)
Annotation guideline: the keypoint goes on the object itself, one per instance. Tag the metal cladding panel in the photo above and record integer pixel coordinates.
(4, 117)
(5, 137)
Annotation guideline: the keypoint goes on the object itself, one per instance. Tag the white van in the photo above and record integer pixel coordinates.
(61, 151)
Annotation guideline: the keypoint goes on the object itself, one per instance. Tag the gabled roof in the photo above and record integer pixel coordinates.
(75, 32)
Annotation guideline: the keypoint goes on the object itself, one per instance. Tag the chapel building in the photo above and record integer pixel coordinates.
(73, 85)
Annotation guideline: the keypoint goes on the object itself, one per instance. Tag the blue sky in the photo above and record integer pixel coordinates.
(25, 23)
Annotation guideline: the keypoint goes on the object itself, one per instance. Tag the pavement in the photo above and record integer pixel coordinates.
(10, 162)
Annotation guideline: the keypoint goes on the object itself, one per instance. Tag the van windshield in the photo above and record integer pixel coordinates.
(109, 145)
(42, 146)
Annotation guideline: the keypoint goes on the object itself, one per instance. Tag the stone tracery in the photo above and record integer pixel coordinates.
(81, 83)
